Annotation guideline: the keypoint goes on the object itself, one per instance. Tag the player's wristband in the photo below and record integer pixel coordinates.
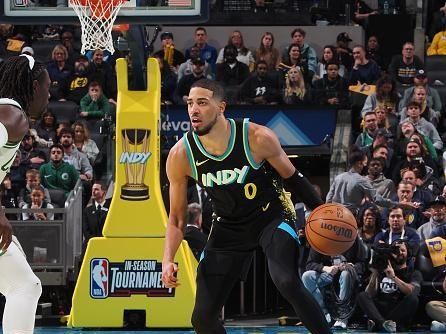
(299, 185)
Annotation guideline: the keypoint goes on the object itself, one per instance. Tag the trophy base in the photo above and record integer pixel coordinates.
(134, 192)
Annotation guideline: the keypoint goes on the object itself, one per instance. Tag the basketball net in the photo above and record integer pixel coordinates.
(97, 18)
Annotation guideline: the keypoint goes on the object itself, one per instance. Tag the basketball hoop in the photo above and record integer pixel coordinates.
(97, 17)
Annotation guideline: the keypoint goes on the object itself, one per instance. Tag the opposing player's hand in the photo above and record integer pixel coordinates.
(168, 276)
(5, 233)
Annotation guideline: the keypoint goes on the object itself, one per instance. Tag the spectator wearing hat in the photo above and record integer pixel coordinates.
(75, 86)
(27, 50)
(31, 156)
(207, 52)
(344, 53)
(437, 212)
(168, 52)
(433, 97)
(307, 53)
(404, 67)
(186, 67)
(184, 85)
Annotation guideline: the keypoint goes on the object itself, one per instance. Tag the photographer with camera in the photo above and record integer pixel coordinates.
(391, 298)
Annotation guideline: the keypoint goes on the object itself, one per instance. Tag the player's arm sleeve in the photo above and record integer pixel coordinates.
(3, 135)
(299, 185)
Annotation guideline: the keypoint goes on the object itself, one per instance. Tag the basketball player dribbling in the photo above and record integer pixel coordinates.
(24, 86)
(242, 167)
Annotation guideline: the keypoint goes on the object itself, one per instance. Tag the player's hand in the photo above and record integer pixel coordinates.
(5, 233)
(168, 276)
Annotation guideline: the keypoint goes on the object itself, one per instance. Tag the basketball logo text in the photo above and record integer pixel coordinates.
(347, 233)
(223, 177)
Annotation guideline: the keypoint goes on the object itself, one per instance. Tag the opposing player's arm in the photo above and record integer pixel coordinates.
(265, 145)
(178, 170)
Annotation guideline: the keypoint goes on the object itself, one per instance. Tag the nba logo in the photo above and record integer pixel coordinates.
(99, 278)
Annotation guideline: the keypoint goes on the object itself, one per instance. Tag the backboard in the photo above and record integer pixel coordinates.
(134, 11)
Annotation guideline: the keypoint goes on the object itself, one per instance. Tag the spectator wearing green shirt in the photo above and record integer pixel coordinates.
(94, 105)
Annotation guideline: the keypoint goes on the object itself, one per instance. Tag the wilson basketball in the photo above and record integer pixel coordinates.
(331, 229)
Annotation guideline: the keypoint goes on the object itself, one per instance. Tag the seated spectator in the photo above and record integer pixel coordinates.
(426, 176)
(168, 82)
(438, 45)
(294, 59)
(45, 129)
(244, 55)
(365, 139)
(369, 223)
(324, 272)
(386, 96)
(186, 67)
(169, 53)
(17, 173)
(432, 96)
(67, 40)
(267, 52)
(407, 130)
(207, 52)
(83, 142)
(75, 86)
(8, 197)
(307, 53)
(436, 310)
(404, 67)
(427, 145)
(58, 69)
(231, 73)
(60, 126)
(419, 95)
(362, 12)
(343, 51)
(373, 52)
(259, 88)
(31, 156)
(364, 71)
(102, 72)
(74, 157)
(94, 104)
(332, 89)
(420, 195)
(38, 202)
(390, 299)
(386, 120)
(193, 234)
(58, 174)
(329, 55)
(383, 186)
(422, 125)
(295, 90)
(32, 181)
(437, 212)
(184, 85)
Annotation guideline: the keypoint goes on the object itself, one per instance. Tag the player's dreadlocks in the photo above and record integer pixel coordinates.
(16, 79)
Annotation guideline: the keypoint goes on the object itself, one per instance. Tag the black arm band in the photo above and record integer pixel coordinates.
(300, 186)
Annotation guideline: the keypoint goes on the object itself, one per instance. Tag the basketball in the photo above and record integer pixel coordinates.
(331, 229)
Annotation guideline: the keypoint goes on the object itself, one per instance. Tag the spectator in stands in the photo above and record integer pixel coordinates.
(307, 53)
(17, 173)
(324, 272)
(186, 67)
(407, 130)
(420, 195)
(438, 45)
(94, 215)
(184, 85)
(295, 91)
(386, 96)
(437, 213)
(8, 197)
(343, 51)
(207, 52)
(83, 142)
(259, 88)
(373, 52)
(67, 39)
(94, 105)
(427, 144)
(332, 89)
(404, 67)
(58, 174)
(38, 202)
(432, 95)
(427, 176)
(438, 20)
(169, 53)
(364, 71)
(362, 12)
(294, 59)
(197, 194)
(419, 95)
(369, 223)
(422, 125)
(60, 126)
(231, 73)
(58, 69)
(370, 129)
(74, 87)
(46, 129)
(193, 234)
(74, 157)
(32, 181)
(267, 52)
(27, 50)
(383, 186)
(103, 73)
(436, 310)
(413, 215)
(386, 120)
(244, 55)
(329, 55)
(390, 299)
(31, 156)
(168, 82)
